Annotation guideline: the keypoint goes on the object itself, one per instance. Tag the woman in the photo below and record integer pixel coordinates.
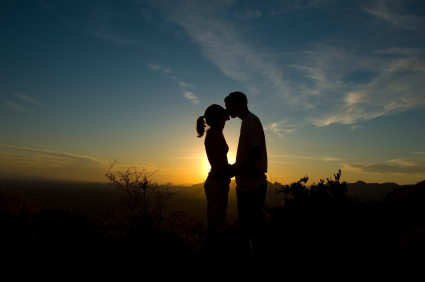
(217, 183)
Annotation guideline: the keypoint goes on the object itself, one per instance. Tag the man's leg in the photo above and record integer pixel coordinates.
(244, 221)
(250, 219)
(256, 234)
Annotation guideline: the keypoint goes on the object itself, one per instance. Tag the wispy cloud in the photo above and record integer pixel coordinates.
(14, 106)
(181, 84)
(395, 85)
(408, 162)
(389, 11)
(353, 127)
(283, 127)
(189, 95)
(291, 5)
(325, 158)
(102, 34)
(405, 166)
(401, 51)
(330, 159)
(249, 14)
(221, 42)
(28, 99)
(55, 164)
(332, 83)
(277, 162)
(156, 67)
(55, 156)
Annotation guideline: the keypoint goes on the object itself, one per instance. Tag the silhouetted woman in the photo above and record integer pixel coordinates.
(217, 184)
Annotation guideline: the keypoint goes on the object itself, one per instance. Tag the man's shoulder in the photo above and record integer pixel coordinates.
(252, 120)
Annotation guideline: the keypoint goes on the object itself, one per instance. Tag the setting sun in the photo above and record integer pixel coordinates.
(206, 167)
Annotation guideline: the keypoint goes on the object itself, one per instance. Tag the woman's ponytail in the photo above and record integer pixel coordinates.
(200, 126)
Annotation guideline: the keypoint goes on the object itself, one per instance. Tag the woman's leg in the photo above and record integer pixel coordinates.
(217, 197)
(210, 240)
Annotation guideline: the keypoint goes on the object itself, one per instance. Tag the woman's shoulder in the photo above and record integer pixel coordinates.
(214, 133)
(214, 136)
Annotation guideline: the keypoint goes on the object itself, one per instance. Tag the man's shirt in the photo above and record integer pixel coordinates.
(252, 135)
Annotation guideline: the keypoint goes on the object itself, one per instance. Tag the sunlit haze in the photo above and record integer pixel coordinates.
(336, 85)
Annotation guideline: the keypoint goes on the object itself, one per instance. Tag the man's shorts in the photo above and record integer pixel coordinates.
(217, 193)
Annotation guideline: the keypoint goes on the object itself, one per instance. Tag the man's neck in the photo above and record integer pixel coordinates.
(243, 114)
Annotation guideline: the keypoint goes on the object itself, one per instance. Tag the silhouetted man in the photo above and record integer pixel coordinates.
(250, 189)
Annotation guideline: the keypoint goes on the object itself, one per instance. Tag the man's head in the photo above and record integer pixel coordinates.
(236, 103)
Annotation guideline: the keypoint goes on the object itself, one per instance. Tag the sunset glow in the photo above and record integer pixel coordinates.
(336, 85)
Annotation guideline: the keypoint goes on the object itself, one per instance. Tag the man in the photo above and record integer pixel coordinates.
(250, 189)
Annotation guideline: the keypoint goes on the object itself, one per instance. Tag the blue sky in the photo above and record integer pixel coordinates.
(336, 84)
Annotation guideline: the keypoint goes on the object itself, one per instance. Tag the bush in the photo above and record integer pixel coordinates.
(143, 197)
(321, 195)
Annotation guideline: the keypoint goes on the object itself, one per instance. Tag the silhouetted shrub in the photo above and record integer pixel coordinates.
(321, 195)
(143, 198)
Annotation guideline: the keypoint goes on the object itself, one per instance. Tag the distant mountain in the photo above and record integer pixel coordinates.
(197, 190)
(360, 190)
(18, 176)
(373, 191)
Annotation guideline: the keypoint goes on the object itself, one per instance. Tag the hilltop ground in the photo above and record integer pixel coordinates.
(69, 232)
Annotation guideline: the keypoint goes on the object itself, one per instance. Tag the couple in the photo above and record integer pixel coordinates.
(249, 171)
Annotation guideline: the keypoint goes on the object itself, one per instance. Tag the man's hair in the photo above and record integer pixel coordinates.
(237, 97)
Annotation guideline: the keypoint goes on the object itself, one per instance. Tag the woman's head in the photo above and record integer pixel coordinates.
(214, 115)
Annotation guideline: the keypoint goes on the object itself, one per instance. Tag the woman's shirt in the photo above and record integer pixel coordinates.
(217, 149)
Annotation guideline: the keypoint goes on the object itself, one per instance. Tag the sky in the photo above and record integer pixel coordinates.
(336, 85)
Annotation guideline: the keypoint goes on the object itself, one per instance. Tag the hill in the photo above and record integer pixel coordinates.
(371, 191)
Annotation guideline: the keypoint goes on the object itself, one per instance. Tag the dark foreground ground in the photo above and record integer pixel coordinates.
(73, 239)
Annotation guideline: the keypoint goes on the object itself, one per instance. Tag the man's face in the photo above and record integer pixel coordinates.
(230, 108)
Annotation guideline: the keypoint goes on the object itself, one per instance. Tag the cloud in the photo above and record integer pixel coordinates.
(395, 85)
(329, 159)
(154, 67)
(283, 127)
(53, 156)
(292, 5)
(14, 106)
(326, 159)
(30, 161)
(401, 51)
(103, 34)
(27, 99)
(355, 126)
(189, 95)
(355, 97)
(389, 11)
(221, 42)
(293, 157)
(418, 153)
(333, 84)
(181, 84)
(408, 162)
(185, 85)
(249, 14)
(408, 166)
(272, 162)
